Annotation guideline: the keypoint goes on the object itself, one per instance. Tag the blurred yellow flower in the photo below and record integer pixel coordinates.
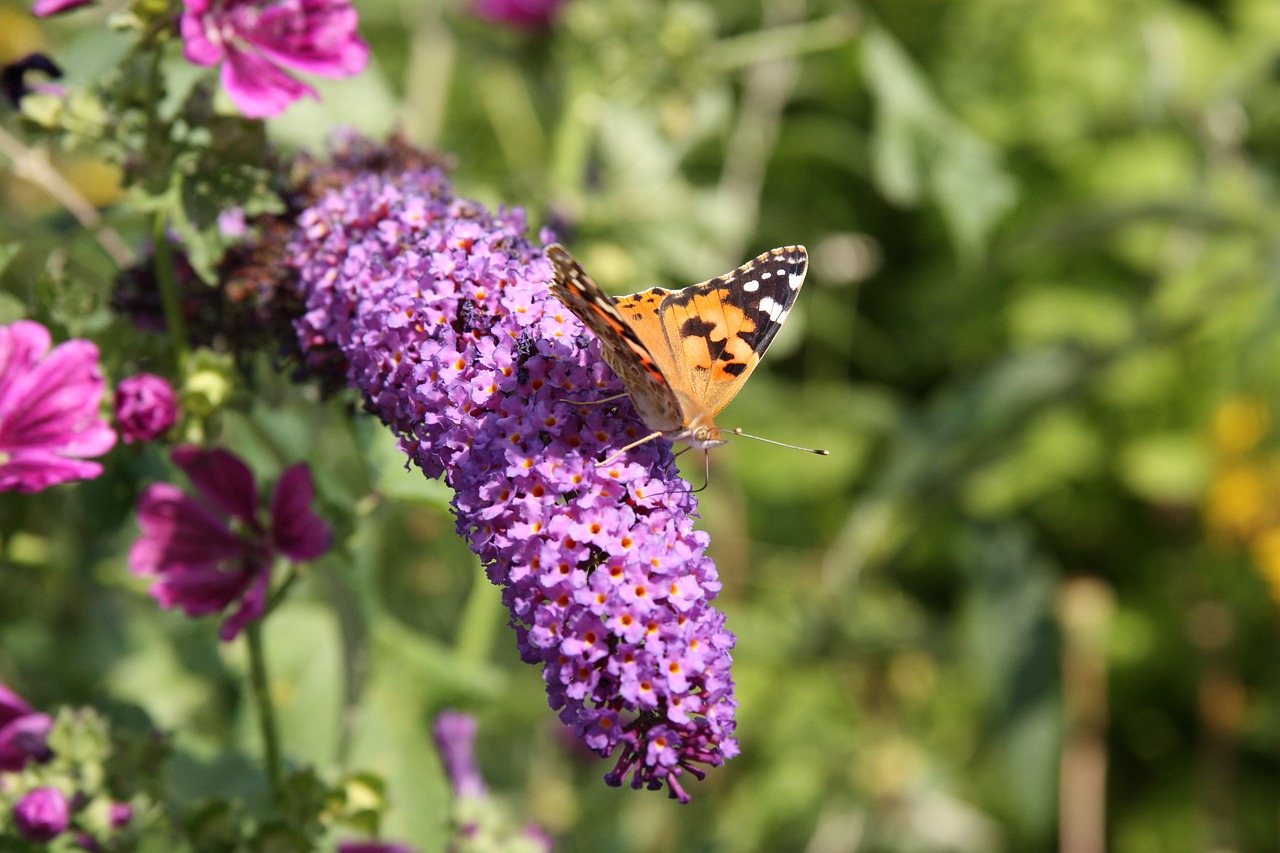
(1241, 499)
(1266, 553)
(19, 34)
(1239, 425)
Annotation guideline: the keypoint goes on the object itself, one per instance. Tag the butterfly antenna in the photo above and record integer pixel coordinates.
(739, 432)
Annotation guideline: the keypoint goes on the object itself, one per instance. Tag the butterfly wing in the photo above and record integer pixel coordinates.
(626, 352)
(719, 330)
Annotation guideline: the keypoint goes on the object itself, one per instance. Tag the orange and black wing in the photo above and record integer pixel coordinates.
(719, 330)
(626, 352)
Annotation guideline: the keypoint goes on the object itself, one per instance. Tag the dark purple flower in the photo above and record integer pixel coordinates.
(13, 78)
(145, 407)
(255, 40)
(23, 733)
(212, 553)
(442, 313)
(49, 419)
(42, 815)
(374, 847)
(45, 8)
(527, 14)
(455, 735)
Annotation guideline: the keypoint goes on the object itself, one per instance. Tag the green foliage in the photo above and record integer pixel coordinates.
(1043, 241)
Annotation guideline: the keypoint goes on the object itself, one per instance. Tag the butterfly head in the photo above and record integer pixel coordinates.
(701, 434)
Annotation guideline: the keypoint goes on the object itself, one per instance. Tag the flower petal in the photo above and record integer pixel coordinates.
(258, 87)
(34, 471)
(298, 532)
(223, 478)
(179, 532)
(316, 36)
(252, 606)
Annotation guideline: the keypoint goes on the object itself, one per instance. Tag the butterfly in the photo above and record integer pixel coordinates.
(684, 354)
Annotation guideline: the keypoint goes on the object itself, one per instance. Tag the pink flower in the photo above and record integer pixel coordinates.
(45, 8)
(49, 420)
(210, 554)
(145, 407)
(527, 14)
(42, 815)
(255, 40)
(23, 732)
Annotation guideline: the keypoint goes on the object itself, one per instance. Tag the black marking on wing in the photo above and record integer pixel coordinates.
(763, 290)
(581, 295)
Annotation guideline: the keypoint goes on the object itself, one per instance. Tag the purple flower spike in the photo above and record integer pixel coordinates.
(204, 565)
(23, 733)
(42, 815)
(256, 40)
(455, 735)
(442, 313)
(145, 407)
(49, 420)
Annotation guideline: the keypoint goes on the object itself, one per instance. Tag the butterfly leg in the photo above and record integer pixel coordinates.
(650, 437)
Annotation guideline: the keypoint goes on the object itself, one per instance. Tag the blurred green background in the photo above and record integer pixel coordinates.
(1028, 603)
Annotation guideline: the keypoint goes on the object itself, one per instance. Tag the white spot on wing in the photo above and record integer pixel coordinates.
(796, 281)
(773, 309)
(751, 286)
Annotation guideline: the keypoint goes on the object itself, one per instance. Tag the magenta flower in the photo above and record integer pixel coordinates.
(145, 407)
(442, 313)
(45, 8)
(49, 420)
(23, 732)
(256, 40)
(42, 815)
(526, 14)
(213, 553)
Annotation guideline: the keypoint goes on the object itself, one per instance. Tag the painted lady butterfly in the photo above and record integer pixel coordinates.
(684, 354)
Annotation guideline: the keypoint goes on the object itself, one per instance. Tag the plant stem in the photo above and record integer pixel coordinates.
(168, 285)
(261, 688)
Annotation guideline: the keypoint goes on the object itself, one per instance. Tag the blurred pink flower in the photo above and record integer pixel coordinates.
(45, 8)
(49, 419)
(527, 14)
(145, 407)
(256, 40)
(42, 815)
(210, 554)
(23, 732)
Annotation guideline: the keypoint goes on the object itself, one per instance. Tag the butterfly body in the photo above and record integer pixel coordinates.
(684, 354)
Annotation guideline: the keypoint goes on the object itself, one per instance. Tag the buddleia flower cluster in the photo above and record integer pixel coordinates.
(440, 311)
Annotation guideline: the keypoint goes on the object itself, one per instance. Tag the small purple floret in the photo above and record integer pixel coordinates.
(442, 312)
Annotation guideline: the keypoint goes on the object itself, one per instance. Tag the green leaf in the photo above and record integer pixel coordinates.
(920, 151)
